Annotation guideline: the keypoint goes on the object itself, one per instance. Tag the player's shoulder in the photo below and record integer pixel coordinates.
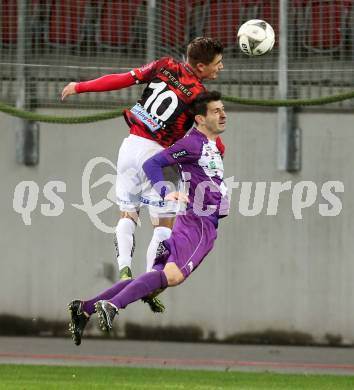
(156, 64)
(195, 139)
(168, 61)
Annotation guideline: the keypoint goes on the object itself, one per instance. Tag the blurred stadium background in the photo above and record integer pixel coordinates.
(53, 42)
(267, 273)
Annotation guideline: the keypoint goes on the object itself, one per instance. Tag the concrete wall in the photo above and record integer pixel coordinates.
(265, 272)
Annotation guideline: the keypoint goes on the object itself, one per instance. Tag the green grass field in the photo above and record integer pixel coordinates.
(27, 377)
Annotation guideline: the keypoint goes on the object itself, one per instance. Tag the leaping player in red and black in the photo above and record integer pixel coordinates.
(160, 118)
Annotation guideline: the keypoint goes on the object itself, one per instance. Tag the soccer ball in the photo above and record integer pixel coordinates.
(256, 37)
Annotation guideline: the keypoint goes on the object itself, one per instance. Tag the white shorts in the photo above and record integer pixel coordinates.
(133, 189)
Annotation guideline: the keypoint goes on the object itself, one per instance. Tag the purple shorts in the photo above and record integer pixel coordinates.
(191, 240)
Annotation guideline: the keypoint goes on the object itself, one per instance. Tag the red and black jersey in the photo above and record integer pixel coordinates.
(163, 111)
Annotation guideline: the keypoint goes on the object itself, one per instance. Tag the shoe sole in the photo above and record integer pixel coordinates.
(74, 334)
(155, 307)
(102, 318)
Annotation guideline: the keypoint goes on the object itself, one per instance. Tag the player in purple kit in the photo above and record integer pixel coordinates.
(195, 230)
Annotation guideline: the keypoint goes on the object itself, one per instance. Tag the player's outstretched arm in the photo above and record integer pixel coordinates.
(110, 82)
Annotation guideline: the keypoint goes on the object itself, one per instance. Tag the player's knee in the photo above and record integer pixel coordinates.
(166, 222)
(132, 215)
(173, 274)
(161, 233)
(162, 221)
(175, 280)
(125, 226)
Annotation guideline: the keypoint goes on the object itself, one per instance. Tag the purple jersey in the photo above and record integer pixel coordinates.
(202, 170)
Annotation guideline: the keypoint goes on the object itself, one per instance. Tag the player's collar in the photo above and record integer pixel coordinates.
(191, 70)
(200, 133)
(204, 136)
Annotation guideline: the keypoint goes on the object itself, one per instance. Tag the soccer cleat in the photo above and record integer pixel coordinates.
(79, 320)
(155, 304)
(125, 273)
(106, 313)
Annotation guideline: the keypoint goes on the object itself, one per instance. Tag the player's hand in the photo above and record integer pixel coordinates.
(177, 196)
(68, 90)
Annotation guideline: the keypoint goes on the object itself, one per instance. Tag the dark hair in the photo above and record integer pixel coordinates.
(204, 50)
(200, 103)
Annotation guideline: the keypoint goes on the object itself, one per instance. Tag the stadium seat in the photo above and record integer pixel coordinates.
(325, 24)
(173, 23)
(250, 9)
(65, 22)
(270, 13)
(197, 16)
(224, 17)
(184, 20)
(8, 22)
(118, 23)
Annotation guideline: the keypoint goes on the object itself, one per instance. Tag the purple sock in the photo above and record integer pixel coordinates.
(140, 288)
(89, 307)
